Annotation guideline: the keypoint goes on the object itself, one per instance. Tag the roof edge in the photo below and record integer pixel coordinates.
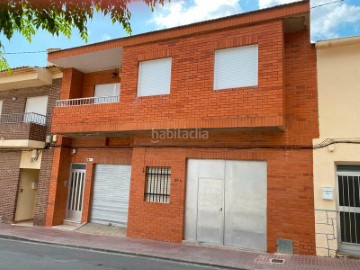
(337, 42)
(28, 70)
(242, 19)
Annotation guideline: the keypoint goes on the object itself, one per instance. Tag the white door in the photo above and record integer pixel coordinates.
(110, 199)
(75, 192)
(37, 106)
(226, 203)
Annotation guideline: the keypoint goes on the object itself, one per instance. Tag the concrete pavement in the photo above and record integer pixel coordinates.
(209, 256)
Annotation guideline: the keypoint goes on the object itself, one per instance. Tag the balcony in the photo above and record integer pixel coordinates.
(22, 130)
(86, 101)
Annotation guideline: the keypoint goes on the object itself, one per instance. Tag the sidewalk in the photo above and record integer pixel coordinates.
(176, 252)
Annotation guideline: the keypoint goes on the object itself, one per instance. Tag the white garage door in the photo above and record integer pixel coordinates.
(226, 203)
(110, 198)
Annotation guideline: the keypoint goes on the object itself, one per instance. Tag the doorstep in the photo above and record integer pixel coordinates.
(101, 229)
(27, 223)
(210, 256)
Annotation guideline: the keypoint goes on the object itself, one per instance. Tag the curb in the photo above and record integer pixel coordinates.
(111, 251)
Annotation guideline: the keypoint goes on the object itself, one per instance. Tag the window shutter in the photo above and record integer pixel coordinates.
(236, 67)
(1, 105)
(37, 105)
(154, 77)
(107, 90)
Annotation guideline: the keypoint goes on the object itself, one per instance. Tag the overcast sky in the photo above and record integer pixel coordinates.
(329, 21)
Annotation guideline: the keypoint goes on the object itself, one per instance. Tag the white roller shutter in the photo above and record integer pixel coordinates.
(37, 105)
(106, 90)
(110, 198)
(236, 67)
(154, 77)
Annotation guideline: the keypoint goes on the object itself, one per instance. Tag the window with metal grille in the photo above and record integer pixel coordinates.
(158, 184)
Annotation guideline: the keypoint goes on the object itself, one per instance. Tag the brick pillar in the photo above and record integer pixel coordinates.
(72, 84)
(87, 192)
(58, 190)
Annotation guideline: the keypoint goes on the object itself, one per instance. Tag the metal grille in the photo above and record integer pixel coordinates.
(76, 190)
(23, 118)
(158, 181)
(349, 206)
(86, 101)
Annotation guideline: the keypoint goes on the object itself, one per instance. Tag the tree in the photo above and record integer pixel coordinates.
(59, 17)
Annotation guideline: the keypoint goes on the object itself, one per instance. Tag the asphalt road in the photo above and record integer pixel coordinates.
(15, 255)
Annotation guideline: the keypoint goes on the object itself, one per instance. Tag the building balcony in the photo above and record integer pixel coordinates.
(86, 101)
(108, 115)
(22, 130)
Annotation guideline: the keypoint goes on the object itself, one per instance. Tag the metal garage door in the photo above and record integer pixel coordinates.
(226, 203)
(110, 198)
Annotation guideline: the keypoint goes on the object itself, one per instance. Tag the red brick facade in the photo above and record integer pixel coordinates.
(265, 123)
(191, 87)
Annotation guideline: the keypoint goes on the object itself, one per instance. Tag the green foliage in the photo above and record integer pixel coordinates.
(59, 17)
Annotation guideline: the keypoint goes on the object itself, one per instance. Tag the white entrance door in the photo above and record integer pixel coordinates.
(348, 181)
(226, 203)
(38, 106)
(110, 199)
(75, 192)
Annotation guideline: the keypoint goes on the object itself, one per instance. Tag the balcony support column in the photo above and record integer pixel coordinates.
(72, 84)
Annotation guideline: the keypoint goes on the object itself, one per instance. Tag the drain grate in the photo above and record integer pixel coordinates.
(277, 261)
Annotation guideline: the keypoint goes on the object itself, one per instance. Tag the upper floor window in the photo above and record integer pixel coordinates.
(107, 90)
(236, 67)
(36, 109)
(154, 77)
(107, 93)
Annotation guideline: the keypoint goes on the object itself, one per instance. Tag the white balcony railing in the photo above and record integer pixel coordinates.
(14, 118)
(86, 101)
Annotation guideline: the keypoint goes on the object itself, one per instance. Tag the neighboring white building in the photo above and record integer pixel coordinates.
(337, 166)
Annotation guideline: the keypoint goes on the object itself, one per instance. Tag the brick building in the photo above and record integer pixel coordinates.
(199, 133)
(27, 99)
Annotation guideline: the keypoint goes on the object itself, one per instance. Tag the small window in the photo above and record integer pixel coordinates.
(236, 67)
(158, 181)
(154, 77)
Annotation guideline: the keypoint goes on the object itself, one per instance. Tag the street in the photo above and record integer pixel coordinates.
(16, 255)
